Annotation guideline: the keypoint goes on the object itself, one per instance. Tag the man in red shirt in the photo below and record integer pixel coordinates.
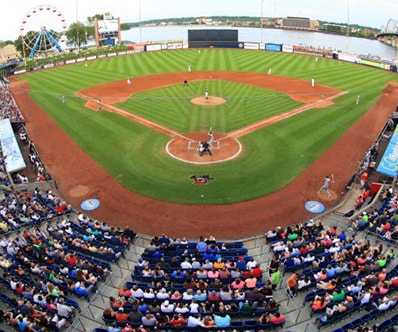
(257, 271)
(364, 178)
(177, 320)
(292, 284)
(246, 274)
(213, 296)
(121, 316)
(125, 292)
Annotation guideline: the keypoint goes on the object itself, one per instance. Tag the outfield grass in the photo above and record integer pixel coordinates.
(272, 157)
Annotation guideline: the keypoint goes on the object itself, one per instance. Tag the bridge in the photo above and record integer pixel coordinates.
(389, 33)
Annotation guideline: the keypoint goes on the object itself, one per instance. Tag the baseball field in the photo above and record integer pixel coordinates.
(129, 137)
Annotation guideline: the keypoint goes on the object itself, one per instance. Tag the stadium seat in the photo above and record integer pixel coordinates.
(251, 324)
(108, 321)
(236, 325)
(276, 326)
(341, 329)
(265, 326)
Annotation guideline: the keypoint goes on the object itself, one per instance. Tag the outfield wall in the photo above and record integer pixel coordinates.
(372, 61)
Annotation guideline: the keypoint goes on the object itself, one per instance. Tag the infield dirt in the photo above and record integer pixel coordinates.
(75, 172)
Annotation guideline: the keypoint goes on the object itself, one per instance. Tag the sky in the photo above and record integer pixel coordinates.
(373, 13)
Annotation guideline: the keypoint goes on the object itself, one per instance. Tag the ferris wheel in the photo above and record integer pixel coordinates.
(43, 30)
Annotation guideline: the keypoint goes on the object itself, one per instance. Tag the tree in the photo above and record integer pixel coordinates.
(91, 19)
(6, 42)
(18, 45)
(78, 34)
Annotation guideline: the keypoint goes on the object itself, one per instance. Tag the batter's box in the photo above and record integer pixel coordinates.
(216, 145)
(194, 145)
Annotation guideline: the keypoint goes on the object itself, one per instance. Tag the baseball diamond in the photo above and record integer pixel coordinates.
(290, 135)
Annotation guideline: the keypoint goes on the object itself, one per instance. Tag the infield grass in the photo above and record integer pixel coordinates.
(244, 105)
(272, 157)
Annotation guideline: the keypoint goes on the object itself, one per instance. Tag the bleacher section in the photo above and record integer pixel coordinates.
(64, 271)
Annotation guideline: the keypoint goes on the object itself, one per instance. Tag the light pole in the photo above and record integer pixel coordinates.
(77, 29)
(261, 23)
(139, 12)
(348, 22)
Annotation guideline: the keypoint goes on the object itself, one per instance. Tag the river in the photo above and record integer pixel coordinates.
(291, 37)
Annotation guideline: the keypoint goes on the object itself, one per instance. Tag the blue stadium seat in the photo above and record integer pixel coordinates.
(236, 325)
(251, 324)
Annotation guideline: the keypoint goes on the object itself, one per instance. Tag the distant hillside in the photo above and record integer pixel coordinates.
(230, 20)
(193, 20)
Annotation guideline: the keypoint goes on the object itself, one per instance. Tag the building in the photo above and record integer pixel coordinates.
(204, 20)
(8, 53)
(337, 28)
(296, 22)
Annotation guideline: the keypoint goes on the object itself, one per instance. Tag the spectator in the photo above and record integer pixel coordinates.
(167, 307)
(177, 320)
(222, 320)
(121, 316)
(149, 320)
(64, 310)
(292, 285)
(275, 279)
(277, 318)
(195, 321)
(134, 316)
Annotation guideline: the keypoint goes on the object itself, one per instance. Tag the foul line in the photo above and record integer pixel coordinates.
(266, 122)
(233, 134)
(137, 118)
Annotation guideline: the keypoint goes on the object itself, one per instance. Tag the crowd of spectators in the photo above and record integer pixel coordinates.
(206, 285)
(44, 273)
(46, 258)
(340, 273)
(8, 107)
(177, 282)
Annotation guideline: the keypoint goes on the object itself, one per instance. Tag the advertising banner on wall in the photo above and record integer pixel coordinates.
(251, 46)
(153, 47)
(174, 46)
(348, 57)
(273, 47)
(389, 162)
(287, 48)
(12, 154)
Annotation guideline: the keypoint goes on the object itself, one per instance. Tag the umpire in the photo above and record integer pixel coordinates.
(206, 148)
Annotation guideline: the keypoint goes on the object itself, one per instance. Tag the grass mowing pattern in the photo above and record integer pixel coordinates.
(172, 107)
(272, 156)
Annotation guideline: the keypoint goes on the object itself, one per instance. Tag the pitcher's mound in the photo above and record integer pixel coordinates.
(211, 101)
(186, 149)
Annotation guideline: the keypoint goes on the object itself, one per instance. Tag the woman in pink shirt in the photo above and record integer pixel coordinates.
(213, 274)
(237, 284)
(251, 282)
(277, 318)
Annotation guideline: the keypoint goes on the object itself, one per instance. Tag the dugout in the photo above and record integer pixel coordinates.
(205, 38)
(8, 69)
